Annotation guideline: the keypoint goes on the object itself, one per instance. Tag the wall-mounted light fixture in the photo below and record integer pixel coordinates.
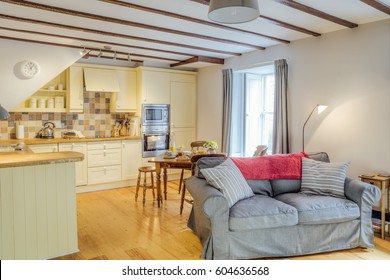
(3, 113)
(320, 108)
(233, 11)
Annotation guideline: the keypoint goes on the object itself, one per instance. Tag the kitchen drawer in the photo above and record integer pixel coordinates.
(104, 157)
(104, 174)
(104, 145)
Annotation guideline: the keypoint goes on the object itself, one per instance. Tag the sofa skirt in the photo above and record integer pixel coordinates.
(284, 241)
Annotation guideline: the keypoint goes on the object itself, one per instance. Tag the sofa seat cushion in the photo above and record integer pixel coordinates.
(319, 209)
(259, 212)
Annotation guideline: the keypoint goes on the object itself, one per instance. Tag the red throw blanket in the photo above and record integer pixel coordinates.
(280, 166)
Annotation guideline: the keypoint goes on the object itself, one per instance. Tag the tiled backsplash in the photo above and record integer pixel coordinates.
(96, 121)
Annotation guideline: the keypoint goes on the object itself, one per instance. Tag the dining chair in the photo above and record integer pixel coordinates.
(194, 160)
(195, 147)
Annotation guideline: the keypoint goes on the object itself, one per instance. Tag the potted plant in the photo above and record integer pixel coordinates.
(211, 147)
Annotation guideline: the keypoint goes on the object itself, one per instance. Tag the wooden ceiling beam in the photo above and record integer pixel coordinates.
(270, 20)
(315, 12)
(112, 34)
(290, 26)
(191, 19)
(378, 5)
(92, 41)
(199, 59)
(126, 22)
(87, 48)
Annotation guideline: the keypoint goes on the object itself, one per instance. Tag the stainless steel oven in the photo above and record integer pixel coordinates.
(155, 114)
(155, 140)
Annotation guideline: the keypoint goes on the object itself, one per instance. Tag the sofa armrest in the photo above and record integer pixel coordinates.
(209, 218)
(213, 201)
(365, 195)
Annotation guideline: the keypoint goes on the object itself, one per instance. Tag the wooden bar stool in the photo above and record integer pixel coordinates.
(145, 170)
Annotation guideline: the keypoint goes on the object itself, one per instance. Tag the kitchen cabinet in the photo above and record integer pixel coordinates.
(75, 95)
(104, 162)
(49, 98)
(44, 148)
(81, 166)
(183, 104)
(153, 86)
(126, 99)
(131, 158)
(101, 80)
(184, 136)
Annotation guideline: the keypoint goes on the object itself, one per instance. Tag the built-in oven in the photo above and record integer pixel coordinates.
(155, 140)
(155, 114)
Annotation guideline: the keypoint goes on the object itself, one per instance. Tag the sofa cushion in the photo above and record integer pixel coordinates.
(323, 178)
(227, 178)
(259, 212)
(261, 187)
(207, 162)
(280, 186)
(319, 209)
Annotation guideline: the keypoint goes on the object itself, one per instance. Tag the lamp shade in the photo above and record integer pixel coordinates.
(3, 113)
(233, 11)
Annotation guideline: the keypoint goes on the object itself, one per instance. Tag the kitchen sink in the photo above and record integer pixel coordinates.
(11, 147)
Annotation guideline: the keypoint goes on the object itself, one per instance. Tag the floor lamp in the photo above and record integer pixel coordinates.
(320, 109)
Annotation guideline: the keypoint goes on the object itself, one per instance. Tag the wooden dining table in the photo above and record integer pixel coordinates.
(164, 164)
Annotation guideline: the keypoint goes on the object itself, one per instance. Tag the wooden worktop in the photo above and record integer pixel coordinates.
(36, 141)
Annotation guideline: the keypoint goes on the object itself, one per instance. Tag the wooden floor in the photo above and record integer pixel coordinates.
(111, 225)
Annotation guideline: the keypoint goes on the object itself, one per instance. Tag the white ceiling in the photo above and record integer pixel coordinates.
(354, 11)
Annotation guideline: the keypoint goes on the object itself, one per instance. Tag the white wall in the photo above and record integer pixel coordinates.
(348, 70)
(52, 61)
(209, 102)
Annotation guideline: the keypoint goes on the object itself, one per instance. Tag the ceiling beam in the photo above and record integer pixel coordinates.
(378, 5)
(191, 19)
(317, 13)
(118, 35)
(92, 41)
(199, 59)
(289, 26)
(87, 48)
(271, 20)
(126, 22)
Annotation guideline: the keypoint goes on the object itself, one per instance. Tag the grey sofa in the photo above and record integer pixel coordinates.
(279, 221)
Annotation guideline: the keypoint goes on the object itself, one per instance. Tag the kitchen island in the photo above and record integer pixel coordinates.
(38, 204)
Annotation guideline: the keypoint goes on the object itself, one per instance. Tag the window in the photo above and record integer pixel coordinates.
(253, 110)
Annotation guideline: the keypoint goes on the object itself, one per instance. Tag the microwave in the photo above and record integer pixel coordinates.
(153, 114)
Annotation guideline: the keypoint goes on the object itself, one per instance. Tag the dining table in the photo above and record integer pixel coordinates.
(162, 163)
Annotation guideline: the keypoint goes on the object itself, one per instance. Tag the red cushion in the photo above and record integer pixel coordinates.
(279, 166)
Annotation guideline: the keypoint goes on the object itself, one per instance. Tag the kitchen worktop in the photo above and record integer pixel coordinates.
(36, 141)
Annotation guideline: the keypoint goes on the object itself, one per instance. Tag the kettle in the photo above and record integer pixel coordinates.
(47, 131)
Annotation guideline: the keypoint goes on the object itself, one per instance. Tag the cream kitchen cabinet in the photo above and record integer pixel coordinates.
(104, 162)
(126, 99)
(101, 80)
(184, 136)
(153, 86)
(44, 148)
(81, 166)
(131, 158)
(75, 96)
(183, 102)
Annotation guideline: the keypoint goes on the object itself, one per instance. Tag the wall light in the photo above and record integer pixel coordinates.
(3, 113)
(233, 11)
(320, 108)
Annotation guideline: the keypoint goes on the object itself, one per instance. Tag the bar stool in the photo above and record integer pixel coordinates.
(145, 170)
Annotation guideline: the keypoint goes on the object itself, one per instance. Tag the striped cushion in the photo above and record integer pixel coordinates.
(323, 178)
(228, 179)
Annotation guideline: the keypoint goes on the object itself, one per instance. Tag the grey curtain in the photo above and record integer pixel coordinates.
(280, 140)
(227, 77)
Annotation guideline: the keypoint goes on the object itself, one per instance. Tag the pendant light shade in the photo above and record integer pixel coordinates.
(233, 11)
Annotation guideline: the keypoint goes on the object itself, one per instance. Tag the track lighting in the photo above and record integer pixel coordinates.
(83, 52)
(99, 54)
(128, 57)
(114, 55)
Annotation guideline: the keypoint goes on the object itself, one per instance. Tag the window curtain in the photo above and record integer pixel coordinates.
(281, 143)
(227, 77)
